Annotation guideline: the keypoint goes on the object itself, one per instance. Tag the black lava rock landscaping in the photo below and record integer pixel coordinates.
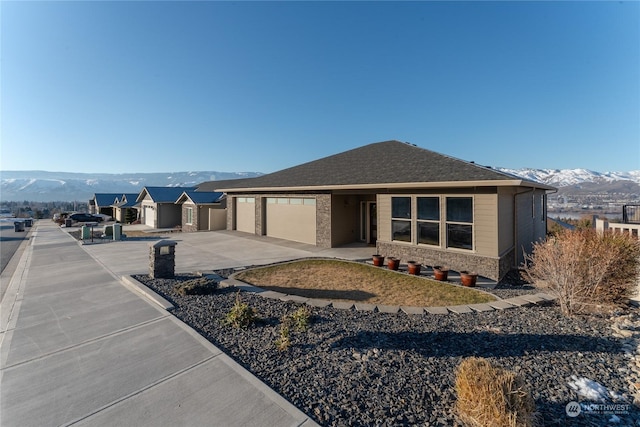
(367, 368)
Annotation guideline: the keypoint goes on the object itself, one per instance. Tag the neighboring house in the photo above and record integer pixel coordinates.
(102, 203)
(158, 208)
(123, 205)
(203, 210)
(411, 203)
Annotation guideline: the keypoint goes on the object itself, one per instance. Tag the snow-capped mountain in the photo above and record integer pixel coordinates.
(41, 186)
(567, 177)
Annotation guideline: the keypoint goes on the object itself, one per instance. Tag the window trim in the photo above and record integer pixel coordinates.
(189, 219)
(398, 220)
(471, 224)
(420, 221)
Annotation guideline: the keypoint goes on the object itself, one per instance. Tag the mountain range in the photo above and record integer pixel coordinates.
(42, 186)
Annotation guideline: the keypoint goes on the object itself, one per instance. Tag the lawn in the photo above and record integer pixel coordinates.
(350, 281)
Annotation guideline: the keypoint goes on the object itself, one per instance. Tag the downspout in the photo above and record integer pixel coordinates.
(515, 217)
(515, 224)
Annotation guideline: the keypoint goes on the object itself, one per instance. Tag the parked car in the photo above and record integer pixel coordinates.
(83, 217)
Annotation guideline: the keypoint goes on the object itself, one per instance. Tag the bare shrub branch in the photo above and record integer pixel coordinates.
(585, 269)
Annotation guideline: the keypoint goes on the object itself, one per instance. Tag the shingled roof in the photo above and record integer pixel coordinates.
(388, 162)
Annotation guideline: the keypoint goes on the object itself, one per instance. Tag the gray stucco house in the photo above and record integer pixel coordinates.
(407, 201)
(203, 210)
(158, 208)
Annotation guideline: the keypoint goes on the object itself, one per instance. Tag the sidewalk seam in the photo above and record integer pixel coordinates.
(86, 342)
(142, 390)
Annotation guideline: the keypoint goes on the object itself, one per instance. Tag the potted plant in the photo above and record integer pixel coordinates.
(378, 260)
(468, 278)
(441, 273)
(393, 263)
(414, 267)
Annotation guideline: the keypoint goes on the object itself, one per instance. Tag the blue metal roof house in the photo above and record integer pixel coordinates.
(158, 207)
(123, 204)
(203, 210)
(101, 203)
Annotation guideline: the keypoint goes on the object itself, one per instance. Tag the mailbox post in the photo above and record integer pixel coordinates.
(162, 259)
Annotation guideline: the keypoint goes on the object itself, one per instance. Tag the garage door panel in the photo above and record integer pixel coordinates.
(295, 222)
(246, 217)
(149, 216)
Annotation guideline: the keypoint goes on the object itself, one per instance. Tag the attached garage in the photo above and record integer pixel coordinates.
(246, 214)
(291, 218)
(149, 216)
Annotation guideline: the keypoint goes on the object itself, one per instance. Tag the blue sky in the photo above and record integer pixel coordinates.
(261, 86)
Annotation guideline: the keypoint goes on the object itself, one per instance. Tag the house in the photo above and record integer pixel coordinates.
(203, 210)
(411, 203)
(125, 206)
(158, 208)
(101, 203)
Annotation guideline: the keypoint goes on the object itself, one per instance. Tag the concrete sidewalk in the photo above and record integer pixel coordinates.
(79, 348)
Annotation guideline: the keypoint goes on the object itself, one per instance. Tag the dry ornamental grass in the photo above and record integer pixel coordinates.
(490, 396)
(351, 281)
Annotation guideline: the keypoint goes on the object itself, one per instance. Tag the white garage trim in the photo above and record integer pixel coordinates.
(149, 216)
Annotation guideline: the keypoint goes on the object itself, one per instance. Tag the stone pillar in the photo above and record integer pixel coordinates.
(162, 259)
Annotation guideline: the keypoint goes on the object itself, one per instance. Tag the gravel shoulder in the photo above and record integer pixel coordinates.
(366, 368)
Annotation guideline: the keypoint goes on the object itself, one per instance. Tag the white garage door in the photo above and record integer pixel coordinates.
(149, 216)
(246, 214)
(292, 219)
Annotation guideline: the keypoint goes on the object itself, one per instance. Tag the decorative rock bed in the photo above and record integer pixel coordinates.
(375, 368)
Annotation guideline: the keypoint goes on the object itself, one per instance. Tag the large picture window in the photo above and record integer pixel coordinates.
(460, 222)
(401, 219)
(429, 220)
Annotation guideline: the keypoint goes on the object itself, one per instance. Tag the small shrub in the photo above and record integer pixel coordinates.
(585, 269)
(241, 314)
(284, 341)
(299, 319)
(199, 286)
(489, 395)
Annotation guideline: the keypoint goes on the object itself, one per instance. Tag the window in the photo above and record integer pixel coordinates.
(401, 219)
(189, 215)
(460, 222)
(429, 220)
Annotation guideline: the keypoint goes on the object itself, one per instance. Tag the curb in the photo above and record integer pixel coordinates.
(137, 287)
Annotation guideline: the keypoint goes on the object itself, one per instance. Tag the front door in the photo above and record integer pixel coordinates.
(368, 222)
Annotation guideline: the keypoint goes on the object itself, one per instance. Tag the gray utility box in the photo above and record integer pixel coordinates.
(117, 231)
(68, 222)
(86, 232)
(162, 259)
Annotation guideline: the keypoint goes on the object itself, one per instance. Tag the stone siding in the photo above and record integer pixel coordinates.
(194, 225)
(492, 268)
(323, 220)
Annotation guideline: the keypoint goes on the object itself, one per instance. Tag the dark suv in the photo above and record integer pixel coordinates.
(83, 217)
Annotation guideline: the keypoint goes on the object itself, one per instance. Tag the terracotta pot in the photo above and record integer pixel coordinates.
(441, 273)
(468, 279)
(378, 260)
(414, 267)
(393, 263)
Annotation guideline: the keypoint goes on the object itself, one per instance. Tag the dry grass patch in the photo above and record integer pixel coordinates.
(350, 281)
(489, 395)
